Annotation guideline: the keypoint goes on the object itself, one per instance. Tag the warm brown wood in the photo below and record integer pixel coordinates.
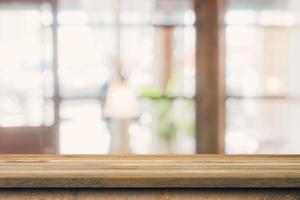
(150, 194)
(207, 171)
(210, 76)
(25, 140)
(20, 140)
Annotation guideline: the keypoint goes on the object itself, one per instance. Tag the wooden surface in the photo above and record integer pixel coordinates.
(203, 171)
(150, 194)
(210, 76)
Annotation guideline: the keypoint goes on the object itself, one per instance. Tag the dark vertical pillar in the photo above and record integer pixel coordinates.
(210, 76)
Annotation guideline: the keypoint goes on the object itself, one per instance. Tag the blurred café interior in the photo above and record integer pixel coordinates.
(149, 76)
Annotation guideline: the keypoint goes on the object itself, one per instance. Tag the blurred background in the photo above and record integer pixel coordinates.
(121, 76)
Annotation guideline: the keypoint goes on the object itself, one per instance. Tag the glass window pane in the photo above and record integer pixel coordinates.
(262, 39)
(86, 11)
(82, 128)
(25, 67)
(244, 60)
(80, 46)
(182, 82)
(155, 64)
(86, 56)
(176, 12)
(164, 127)
(261, 50)
(262, 126)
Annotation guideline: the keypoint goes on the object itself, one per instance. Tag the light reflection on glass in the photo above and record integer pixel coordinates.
(86, 62)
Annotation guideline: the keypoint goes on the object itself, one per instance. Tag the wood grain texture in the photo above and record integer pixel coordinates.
(210, 76)
(150, 194)
(202, 171)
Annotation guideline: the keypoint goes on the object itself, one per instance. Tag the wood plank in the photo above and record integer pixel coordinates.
(203, 171)
(150, 194)
(210, 76)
